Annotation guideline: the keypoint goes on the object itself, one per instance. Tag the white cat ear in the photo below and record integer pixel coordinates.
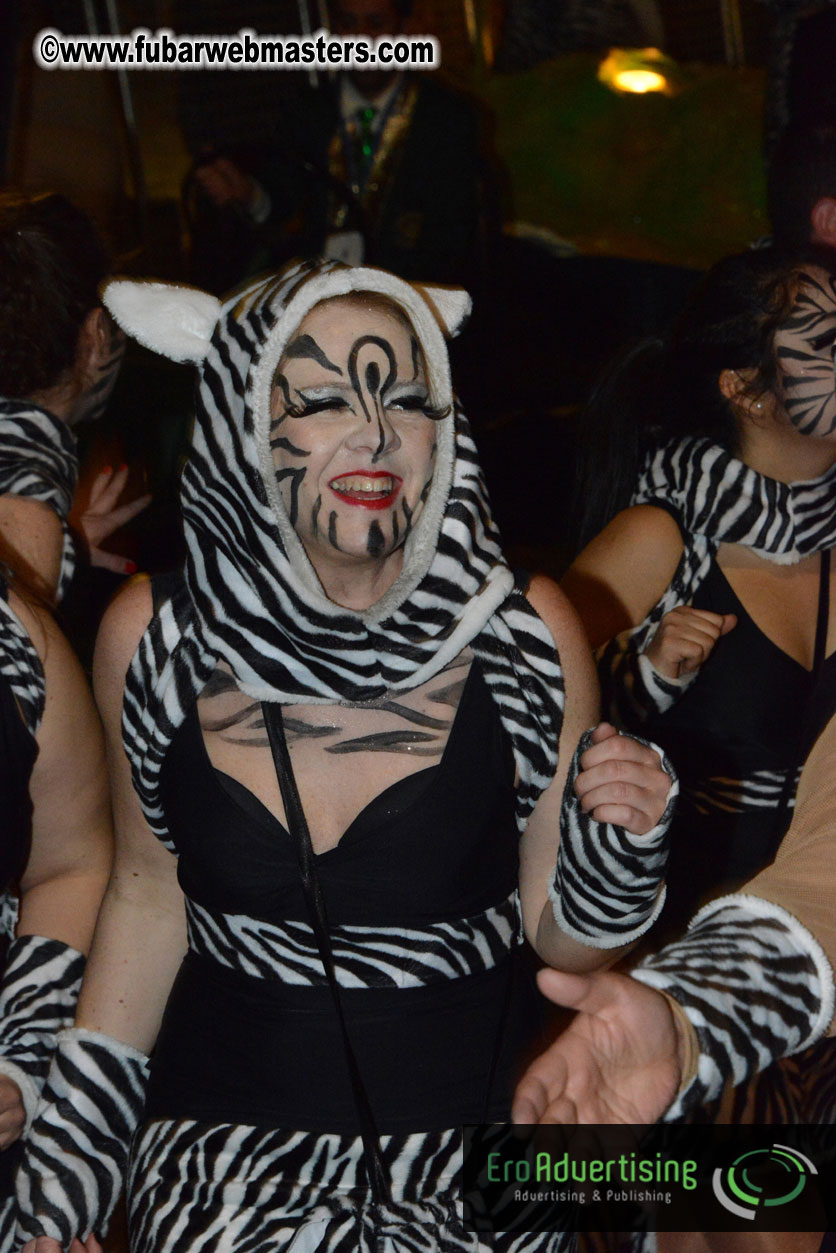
(451, 305)
(176, 322)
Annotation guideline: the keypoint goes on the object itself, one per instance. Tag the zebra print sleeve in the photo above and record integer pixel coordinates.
(631, 687)
(755, 984)
(37, 1000)
(76, 1154)
(608, 887)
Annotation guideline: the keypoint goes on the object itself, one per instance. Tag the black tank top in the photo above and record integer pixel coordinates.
(733, 736)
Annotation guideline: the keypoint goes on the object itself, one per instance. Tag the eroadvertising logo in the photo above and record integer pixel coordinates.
(635, 1178)
(752, 1180)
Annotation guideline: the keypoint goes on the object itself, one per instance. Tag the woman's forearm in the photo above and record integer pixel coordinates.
(139, 944)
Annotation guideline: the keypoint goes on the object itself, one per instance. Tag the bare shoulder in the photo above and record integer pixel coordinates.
(557, 611)
(121, 629)
(564, 623)
(622, 573)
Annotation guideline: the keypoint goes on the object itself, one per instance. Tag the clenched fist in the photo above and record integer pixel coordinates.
(685, 639)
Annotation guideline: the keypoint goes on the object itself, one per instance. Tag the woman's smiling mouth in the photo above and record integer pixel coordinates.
(370, 489)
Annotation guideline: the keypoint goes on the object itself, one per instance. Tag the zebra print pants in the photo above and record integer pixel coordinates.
(220, 1188)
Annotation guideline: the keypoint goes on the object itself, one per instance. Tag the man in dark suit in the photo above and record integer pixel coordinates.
(377, 166)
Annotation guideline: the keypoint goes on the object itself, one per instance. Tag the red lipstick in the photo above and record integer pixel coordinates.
(370, 489)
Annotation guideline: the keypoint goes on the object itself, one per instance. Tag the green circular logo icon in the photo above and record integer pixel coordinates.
(762, 1178)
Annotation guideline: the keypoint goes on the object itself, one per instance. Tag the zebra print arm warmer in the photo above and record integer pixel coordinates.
(631, 687)
(608, 887)
(37, 1000)
(76, 1154)
(754, 983)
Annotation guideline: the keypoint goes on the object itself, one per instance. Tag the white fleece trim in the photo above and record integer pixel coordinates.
(420, 548)
(30, 1092)
(604, 940)
(807, 942)
(651, 676)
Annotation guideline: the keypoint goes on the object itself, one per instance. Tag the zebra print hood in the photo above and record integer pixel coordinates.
(253, 600)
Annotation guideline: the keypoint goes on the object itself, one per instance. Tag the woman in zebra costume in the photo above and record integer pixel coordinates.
(52, 262)
(54, 858)
(709, 597)
(343, 1006)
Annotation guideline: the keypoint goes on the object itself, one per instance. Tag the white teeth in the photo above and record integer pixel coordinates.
(361, 483)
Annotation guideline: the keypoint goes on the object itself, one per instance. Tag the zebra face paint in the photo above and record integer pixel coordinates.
(353, 434)
(804, 347)
(103, 371)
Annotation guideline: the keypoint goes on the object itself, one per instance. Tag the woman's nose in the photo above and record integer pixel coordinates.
(375, 435)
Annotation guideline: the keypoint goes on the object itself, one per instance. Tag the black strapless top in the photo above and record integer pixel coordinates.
(439, 844)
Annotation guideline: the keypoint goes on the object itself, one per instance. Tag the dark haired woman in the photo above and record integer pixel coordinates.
(348, 722)
(709, 597)
(60, 356)
(54, 856)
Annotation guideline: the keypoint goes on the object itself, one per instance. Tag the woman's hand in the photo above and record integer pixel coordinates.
(12, 1113)
(619, 1061)
(44, 1244)
(101, 516)
(622, 781)
(685, 638)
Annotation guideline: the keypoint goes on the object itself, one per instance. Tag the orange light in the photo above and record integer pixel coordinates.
(637, 70)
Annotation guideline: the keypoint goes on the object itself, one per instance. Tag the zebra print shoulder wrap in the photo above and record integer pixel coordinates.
(755, 984)
(38, 460)
(252, 599)
(717, 500)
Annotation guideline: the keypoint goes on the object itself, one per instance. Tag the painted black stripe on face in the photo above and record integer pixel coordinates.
(306, 347)
(281, 382)
(317, 505)
(371, 395)
(332, 531)
(282, 442)
(407, 513)
(375, 542)
(416, 356)
(296, 477)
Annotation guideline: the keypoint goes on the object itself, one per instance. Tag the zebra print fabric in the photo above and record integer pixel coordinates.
(76, 1153)
(718, 500)
(760, 790)
(37, 1000)
(755, 984)
(21, 665)
(276, 1190)
(366, 957)
(719, 497)
(606, 890)
(252, 598)
(38, 460)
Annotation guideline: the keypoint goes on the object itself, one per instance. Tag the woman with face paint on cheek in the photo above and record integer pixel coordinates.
(61, 355)
(358, 734)
(709, 598)
(360, 405)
